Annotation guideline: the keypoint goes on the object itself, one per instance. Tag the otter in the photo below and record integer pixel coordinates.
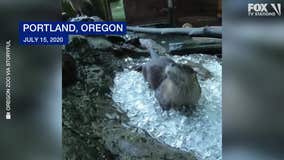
(179, 88)
(175, 85)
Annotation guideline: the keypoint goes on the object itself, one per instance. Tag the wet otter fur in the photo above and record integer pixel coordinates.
(154, 70)
(175, 85)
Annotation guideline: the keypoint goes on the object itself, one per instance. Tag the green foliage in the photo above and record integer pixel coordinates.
(117, 9)
(68, 8)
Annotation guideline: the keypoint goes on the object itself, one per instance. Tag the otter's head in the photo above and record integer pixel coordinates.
(180, 73)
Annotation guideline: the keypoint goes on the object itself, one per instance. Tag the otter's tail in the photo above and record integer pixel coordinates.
(149, 45)
(153, 53)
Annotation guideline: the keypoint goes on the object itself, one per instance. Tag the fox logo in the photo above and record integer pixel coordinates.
(263, 9)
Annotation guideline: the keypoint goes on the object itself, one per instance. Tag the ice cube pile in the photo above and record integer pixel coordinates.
(200, 132)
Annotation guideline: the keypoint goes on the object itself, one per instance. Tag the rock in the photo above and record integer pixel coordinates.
(86, 19)
(93, 127)
(69, 70)
(132, 145)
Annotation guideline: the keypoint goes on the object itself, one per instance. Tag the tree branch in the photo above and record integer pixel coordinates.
(212, 31)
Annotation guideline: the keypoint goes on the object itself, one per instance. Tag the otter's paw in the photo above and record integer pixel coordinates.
(163, 101)
(164, 105)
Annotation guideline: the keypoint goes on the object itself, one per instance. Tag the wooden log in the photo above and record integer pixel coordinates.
(129, 50)
(212, 31)
(202, 45)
